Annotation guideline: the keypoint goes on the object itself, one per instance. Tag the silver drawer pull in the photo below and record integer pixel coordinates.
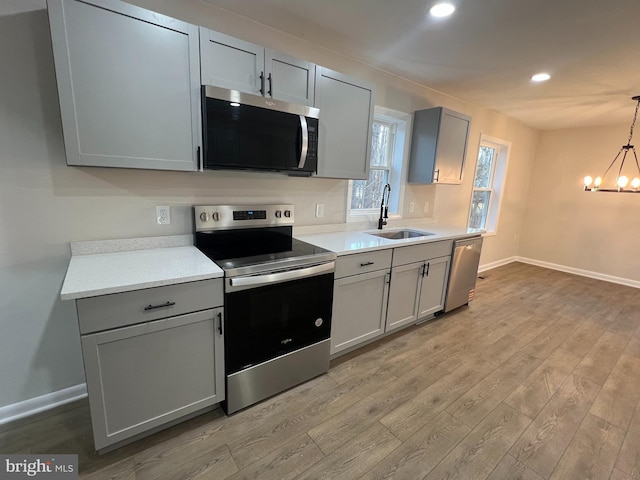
(162, 305)
(366, 264)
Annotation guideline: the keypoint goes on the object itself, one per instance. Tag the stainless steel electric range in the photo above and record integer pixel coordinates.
(278, 297)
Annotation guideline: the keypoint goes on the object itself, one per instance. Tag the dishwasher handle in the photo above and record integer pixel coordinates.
(474, 242)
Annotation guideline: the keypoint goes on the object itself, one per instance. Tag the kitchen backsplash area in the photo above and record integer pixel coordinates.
(126, 199)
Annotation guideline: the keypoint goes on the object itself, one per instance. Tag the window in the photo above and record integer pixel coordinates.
(367, 194)
(389, 146)
(491, 170)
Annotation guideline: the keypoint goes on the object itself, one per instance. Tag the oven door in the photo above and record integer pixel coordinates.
(266, 320)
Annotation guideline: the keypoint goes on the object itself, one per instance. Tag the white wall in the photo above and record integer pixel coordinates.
(45, 204)
(597, 232)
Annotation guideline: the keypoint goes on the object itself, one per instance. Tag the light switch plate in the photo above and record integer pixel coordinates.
(319, 210)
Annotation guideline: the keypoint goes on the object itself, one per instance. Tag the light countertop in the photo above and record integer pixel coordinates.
(347, 242)
(114, 272)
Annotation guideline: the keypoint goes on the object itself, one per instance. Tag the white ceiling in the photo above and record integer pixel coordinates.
(487, 51)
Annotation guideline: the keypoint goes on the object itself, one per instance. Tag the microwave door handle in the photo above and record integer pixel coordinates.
(305, 141)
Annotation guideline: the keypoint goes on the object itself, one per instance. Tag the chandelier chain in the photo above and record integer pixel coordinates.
(633, 123)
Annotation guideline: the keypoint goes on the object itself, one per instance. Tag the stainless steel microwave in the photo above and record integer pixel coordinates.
(250, 132)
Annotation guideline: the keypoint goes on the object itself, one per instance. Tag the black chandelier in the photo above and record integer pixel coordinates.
(622, 181)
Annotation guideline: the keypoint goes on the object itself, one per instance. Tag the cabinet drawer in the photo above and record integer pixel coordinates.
(128, 308)
(424, 251)
(363, 262)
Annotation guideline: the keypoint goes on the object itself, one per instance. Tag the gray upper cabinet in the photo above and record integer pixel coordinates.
(438, 146)
(289, 78)
(346, 117)
(128, 81)
(229, 62)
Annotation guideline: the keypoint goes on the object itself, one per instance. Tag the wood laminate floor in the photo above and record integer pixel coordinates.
(538, 379)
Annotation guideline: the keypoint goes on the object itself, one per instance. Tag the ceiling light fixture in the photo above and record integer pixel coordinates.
(621, 180)
(442, 10)
(540, 77)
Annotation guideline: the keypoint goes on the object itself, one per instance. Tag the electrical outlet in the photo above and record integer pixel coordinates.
(319, 210)
(163, 215)
(412, 207)
(426, 207)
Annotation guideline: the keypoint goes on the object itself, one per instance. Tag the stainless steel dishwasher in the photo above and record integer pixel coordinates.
(464, 271)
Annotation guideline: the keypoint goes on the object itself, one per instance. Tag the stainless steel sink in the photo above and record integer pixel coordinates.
(401, 234)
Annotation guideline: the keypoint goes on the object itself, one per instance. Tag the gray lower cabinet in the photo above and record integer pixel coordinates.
(359, 298)
(404, 295)
(434, 286)
(418, 282)
(143, 376)
(232, 63)
(438, 146)
(346, 118)
(128, 83)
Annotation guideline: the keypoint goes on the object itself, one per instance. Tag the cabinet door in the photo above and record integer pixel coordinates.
(346, 117)
(438, 146)
(144, 376)
(452, 147)
(354, 320)
(434, 286)
(129, 85)
(404, 295)
(289, 78)
(229, 62)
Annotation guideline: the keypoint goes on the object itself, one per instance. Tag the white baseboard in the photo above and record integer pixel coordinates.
(40, 404)
(562, 268)
(583, 273)
(496, 264)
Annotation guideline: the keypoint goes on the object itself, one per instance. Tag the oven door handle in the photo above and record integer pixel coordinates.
(259, 280)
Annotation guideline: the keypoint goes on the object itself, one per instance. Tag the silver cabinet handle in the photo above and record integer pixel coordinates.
(305, 141)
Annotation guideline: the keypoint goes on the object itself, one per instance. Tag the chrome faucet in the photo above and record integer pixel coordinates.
(384, 207)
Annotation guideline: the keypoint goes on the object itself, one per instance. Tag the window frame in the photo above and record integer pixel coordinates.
(497, 181)
(399, 149)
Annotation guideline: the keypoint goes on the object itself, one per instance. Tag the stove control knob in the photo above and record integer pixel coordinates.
(204, 216)
(278, 214)
(215, 216)
(287, 213)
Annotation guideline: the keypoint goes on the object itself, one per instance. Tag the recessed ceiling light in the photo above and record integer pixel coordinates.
(442, 10)
(540, 77)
